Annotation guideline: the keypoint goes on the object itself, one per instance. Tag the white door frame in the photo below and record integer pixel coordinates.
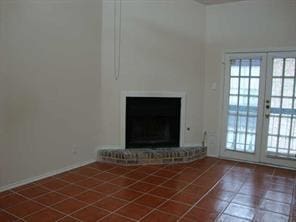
(250, 157)
(265, 156)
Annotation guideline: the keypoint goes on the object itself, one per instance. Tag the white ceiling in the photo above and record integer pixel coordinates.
(212, 2)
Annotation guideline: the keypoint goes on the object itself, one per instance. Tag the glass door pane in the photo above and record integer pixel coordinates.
(243, 98)
(281, 136)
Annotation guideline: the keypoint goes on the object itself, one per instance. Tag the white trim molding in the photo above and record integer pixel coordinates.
(164, 94)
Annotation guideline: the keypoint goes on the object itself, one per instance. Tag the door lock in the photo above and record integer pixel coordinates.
(267, 116)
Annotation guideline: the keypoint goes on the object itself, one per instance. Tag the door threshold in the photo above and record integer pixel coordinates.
(258, 163)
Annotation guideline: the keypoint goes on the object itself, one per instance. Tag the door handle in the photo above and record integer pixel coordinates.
(267, 116)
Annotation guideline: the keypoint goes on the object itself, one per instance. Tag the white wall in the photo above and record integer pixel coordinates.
(242, 25)
(55, 93)
(49, 85)
(162, 50)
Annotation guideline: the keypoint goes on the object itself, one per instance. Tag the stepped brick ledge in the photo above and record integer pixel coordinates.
(152, 156)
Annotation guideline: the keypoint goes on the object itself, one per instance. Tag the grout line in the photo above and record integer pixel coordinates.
(144, 193)
(129, 186)
(51, 207)
(236, 193)
(194, 205)
(129, 202)
(181, 190)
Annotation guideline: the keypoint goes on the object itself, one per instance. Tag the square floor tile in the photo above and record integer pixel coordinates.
(228, 218)
(68, 219)
(69, 206)
(71, 190)
(188, 198)
(46, 215)
(25, 208)
(111, 203)
(107, 188)
(127, 194)
(115, 218)
(187, 178)
(200, 215)
(221, 195)
(278, 196)
(150, 201)
(252, 191)
(174, 208)
(90, 183)
(90, 196)
(120, 171)
(51, 198)
(33, 192)
(213, 204)
(54, 184)
(165, 173)
(154, 180)
(26, 186)
(163, 192)
(11, 200)
(142, 187)
(5, 193)
(274, 206)
(136, 175)
(240, 211)
(174, 184)
(157, 216)
(134, 211)
(87, 171)
(90, 214)
(5, 217)
(123, 181)
(247, 200)
(71, 177)
(105, 176)
(196, 189)
(265, 216)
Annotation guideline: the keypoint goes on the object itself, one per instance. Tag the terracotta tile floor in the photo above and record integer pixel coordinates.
(205, 190)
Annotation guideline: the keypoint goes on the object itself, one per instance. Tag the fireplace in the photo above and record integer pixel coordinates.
(152, 122)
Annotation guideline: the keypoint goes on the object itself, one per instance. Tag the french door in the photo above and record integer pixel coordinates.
(259, 108)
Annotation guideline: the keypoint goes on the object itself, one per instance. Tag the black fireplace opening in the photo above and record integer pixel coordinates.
(152, 122)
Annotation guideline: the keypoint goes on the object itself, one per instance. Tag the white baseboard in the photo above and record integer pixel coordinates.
(213, 155)
(257, 163)
(48, 174)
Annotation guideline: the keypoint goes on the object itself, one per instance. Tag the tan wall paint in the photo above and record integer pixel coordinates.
(242, 26)
(162, 50)
(49, 85)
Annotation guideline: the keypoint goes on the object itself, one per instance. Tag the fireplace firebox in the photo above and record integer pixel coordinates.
(152, 122)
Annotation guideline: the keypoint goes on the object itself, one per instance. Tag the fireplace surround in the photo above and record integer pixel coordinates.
(159, 122)
(162, 155)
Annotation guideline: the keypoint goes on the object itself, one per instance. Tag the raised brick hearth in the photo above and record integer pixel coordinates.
(152, 156)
